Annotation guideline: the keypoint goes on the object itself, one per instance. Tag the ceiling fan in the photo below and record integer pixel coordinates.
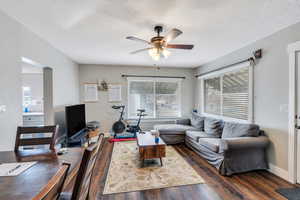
(159, 44)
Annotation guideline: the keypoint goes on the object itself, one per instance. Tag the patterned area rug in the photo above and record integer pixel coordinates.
(126, 175)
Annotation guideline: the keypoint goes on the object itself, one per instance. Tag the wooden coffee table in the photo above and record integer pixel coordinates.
(148, 149)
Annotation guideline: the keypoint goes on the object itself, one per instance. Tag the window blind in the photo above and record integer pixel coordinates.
(235, 95)
(159, 97)
(227, 94)
(212, 94)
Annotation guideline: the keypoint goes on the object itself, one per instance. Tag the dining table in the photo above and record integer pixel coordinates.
(30, 182)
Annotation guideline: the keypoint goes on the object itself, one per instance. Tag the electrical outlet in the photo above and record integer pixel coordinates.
(2, 108)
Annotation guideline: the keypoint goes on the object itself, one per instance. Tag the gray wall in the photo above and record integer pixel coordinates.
(102, 111)
(17, 41)
(270, 88)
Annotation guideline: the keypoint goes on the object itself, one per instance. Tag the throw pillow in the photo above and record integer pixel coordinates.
(197, 121)
(213, 126)
(232, 130)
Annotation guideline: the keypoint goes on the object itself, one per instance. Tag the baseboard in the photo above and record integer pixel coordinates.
(278, 171)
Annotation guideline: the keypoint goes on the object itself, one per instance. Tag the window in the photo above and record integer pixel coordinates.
(27, 96)
(160, 98)
(229, 94)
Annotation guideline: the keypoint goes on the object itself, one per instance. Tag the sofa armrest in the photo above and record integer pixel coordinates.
(183, 121)
(243, 143)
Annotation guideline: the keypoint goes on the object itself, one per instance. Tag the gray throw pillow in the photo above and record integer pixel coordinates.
(232, 130)
(213, 126)
(197, 121)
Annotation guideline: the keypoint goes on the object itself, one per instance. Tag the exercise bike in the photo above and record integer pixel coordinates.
(120, 125)
(136, 128)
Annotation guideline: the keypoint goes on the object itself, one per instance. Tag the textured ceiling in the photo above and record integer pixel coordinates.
(94, 31)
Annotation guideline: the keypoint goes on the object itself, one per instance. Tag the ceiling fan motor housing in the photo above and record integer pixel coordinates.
(157, 41)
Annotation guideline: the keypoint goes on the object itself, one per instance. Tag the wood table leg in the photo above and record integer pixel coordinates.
(161, 163)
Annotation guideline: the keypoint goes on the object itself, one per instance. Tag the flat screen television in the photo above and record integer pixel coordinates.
(75, 119)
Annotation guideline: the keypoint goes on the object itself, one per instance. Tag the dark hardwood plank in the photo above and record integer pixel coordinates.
(258, 185)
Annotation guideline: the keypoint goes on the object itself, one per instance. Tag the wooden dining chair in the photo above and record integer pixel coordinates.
(36, 139)
(82, 185)
(52, 190)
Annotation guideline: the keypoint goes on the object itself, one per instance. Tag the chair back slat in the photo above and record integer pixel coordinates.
(83, 179)
(54, 187)
(36, 140)
(36, 129)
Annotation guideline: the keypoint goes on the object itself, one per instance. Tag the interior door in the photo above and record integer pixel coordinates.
(298, 115)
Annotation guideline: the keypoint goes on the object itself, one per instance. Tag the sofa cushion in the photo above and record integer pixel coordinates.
(233, 130)
(183, 121)
(173, 129)
(197, 121)
(213, 126)
(195, 135)
(192, 135)
(210, 143)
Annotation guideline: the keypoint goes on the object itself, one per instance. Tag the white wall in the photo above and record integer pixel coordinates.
(270, 88)
(17, 41)
(102, 111)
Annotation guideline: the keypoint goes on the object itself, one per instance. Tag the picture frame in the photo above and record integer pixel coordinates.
(114, 93)
(90, 92)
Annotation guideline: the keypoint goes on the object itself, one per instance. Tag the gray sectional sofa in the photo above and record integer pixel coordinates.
(230, 147)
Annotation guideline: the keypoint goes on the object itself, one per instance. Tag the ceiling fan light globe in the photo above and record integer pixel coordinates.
(154, 53)
(166, 53)
(156, 57)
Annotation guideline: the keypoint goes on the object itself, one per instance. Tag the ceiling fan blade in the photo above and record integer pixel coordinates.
(174, 33)
(141, 50)
(137, 39)
(180, 46)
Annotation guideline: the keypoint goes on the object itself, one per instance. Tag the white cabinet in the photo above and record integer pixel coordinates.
(33, 119)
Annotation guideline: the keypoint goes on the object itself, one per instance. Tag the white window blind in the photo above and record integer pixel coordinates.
(212, 95)
(160, 98)
(236, 94)
(141, 96)
(228, 94)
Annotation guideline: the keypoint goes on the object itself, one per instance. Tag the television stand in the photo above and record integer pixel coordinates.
(78, 140)
(82, 137)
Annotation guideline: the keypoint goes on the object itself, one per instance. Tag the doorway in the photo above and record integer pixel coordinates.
(32, 95)
(37, 94)
(294, 113)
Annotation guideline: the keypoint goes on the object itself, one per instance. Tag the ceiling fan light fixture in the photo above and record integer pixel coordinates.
(166, 53)
(154, 53)
(160, 44)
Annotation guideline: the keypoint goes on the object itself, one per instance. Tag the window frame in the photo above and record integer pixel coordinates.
(154, 80)
(220, 74)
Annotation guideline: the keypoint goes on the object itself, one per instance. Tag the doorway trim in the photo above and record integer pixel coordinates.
(292, 137)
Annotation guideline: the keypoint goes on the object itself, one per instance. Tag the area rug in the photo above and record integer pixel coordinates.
(290, 193)
(126, 175)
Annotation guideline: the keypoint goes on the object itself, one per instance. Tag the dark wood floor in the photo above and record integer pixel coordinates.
(258, 185)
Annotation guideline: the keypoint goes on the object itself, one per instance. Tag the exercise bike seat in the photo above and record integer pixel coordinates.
(117, 107)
